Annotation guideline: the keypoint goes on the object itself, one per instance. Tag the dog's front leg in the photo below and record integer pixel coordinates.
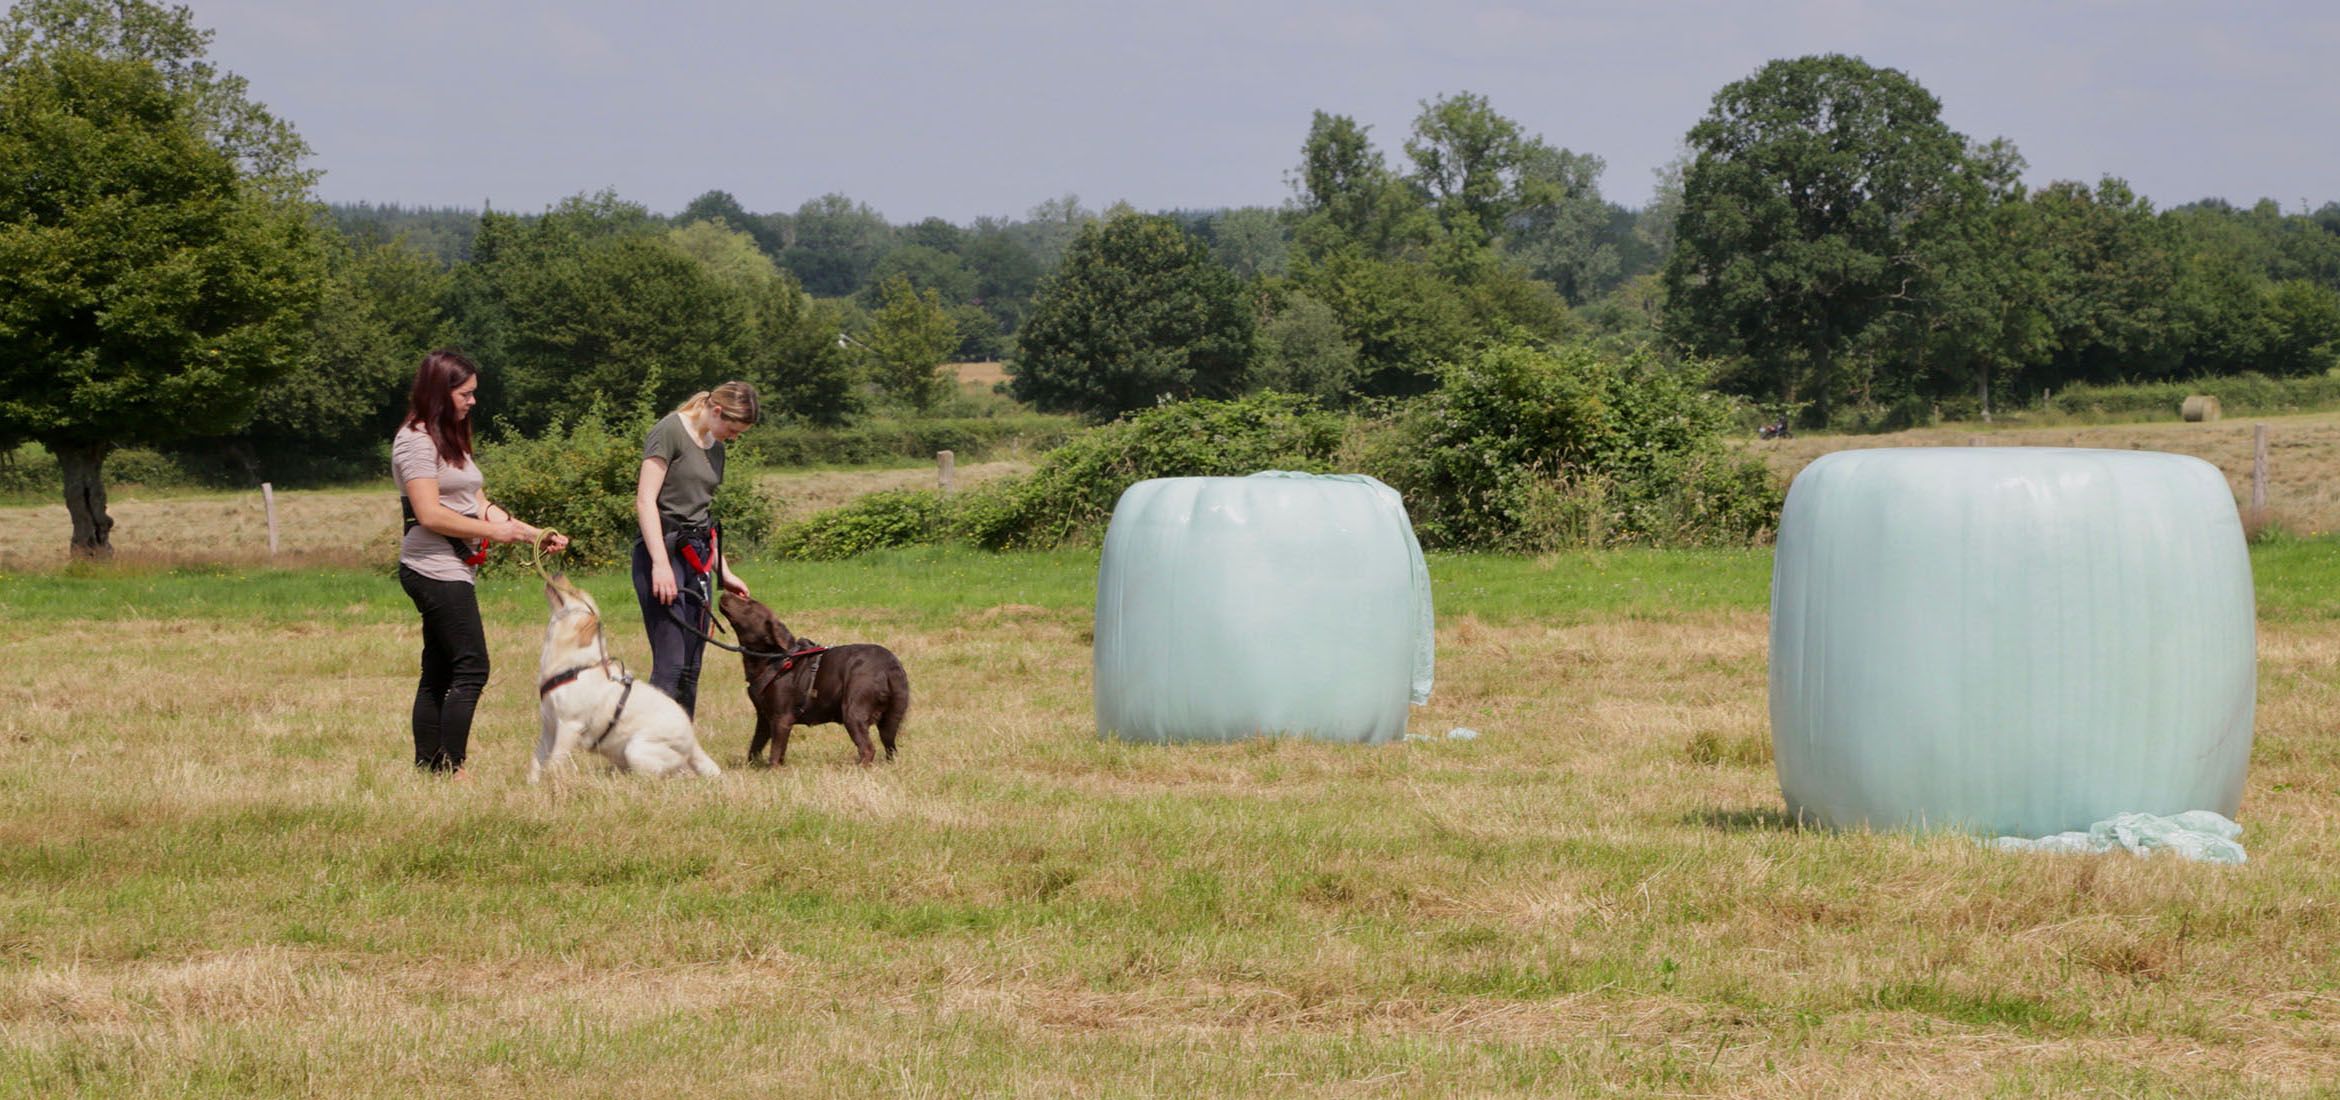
(547, 724)
(781, 725)
(762, 737)
(554, 746)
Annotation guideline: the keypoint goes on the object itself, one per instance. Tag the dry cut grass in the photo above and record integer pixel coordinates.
(357, 527)
(222, 880)
(980, 376)
(2303, 463)
(334, 527)
(804, 492)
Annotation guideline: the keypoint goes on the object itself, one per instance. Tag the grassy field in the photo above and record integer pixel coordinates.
(221, 878)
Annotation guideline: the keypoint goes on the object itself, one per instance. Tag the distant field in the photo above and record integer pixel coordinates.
(982, 375)
(2303, 467)
(346, 527)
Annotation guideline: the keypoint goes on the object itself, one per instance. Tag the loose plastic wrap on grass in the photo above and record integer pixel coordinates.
(2017, 641)
(2198, 835)
(1278, 603)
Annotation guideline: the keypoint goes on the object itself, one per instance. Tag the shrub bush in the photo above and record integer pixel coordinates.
(1533, 449)
(579, 478)
(31, 470)
(902, 517)
(1070, 496)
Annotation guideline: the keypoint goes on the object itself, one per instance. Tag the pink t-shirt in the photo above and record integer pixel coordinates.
(413, 455)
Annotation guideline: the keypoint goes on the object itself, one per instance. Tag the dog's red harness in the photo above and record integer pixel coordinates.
(565, 677)
(774, 669)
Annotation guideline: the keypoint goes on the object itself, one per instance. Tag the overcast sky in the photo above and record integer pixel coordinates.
(963, 109)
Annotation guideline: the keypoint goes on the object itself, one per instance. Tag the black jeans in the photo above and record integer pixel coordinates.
(675, 653)
(454, 668)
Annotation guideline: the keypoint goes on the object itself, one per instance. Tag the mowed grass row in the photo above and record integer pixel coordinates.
(217, 876)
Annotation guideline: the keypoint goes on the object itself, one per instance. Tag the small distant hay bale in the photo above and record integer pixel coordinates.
(2198, 408)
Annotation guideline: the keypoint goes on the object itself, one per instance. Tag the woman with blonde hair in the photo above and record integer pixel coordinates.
(678, 560)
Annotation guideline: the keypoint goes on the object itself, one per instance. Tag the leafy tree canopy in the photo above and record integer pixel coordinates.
(1138, 313)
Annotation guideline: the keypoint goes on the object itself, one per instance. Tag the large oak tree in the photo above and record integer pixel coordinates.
(157, 262)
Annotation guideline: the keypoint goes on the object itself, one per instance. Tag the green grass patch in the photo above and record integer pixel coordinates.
(2296, 579)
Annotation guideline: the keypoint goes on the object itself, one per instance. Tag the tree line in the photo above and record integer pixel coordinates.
(1824, 247)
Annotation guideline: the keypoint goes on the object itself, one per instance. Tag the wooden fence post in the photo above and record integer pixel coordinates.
(2258, 467)
(268, 502)
(943, 460)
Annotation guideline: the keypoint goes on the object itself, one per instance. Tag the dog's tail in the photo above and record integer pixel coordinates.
(897, 708)
(701, 763)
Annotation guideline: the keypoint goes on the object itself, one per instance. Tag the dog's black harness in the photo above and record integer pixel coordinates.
(565, 677)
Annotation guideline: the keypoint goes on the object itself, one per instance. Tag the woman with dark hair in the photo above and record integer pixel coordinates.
(680, 551)
(449, 523)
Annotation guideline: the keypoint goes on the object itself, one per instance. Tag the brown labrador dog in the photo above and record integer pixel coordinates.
(854, 684)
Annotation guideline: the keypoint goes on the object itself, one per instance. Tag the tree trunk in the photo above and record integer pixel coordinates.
(85, 497)
(1986, 392)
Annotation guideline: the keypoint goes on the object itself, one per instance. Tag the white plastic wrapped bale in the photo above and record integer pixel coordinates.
(1230, 607)
(2017, 641)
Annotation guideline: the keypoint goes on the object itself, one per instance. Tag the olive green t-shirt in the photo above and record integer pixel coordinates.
(692, 472)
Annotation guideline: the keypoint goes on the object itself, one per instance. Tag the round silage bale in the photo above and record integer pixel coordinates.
(1285, 604)
(2198, 408)
(2019, 641)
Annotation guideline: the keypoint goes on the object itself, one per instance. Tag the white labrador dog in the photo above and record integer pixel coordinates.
(590, 703)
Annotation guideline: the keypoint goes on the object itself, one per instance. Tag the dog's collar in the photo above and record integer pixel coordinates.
(560, 679)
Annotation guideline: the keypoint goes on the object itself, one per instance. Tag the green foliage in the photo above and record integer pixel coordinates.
(2238, 395)
(145, 295)
(926, 267)
(1072, 493)
(1068, 499)
(836, 245)
(1138, 313)
(266, 150)
(874, 522)
(328, 417)
(1404, 318)
(582, 305)
(1253, 242)
(1349, 200)
(579, 477)
(909, 335)
(1811, 181)
(31, 471)
(1304, 350)
(724, 252)
(595, 301)
(1492, 184)
(793, 357)
(1524, 448)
